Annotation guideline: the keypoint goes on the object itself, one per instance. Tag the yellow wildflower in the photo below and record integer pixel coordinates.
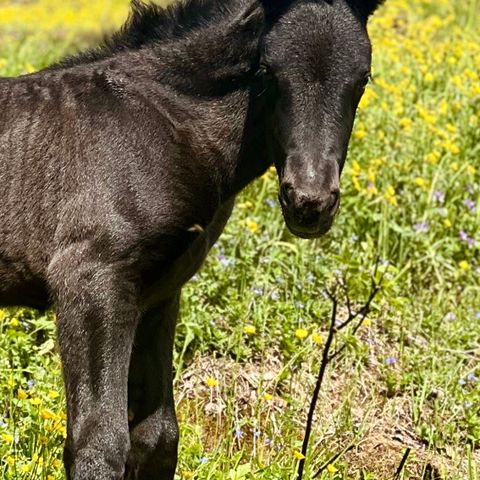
(7, 438)
(317, 338)
(406, 123)
(22, 394)
(252, 225)
(331, 469)
(249, 329)
(301, 333)
(420, 182)
(298, 455)
(464, 265)
(46, 414)
(53, 394)
(212, 382)
(14, 322)
(268, 397)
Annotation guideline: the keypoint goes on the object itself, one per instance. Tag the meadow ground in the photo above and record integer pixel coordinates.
(254, 319)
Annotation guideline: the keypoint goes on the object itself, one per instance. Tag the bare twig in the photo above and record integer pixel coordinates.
(402, 464)
(327, 357)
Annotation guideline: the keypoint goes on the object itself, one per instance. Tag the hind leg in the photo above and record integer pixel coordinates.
(153, 424)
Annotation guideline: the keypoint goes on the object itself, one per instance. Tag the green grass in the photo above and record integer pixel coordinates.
(409, 379)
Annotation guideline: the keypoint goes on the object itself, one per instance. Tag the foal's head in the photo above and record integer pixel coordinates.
(317, 59)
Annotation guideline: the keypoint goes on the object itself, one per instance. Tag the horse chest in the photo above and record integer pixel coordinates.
(186, 265)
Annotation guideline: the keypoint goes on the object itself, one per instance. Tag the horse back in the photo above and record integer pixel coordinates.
(86, 158)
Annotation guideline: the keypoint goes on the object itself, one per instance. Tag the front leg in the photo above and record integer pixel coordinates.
(154, 430)
(97, 314)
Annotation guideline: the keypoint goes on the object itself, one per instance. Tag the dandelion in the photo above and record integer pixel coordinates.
(298, 455)
(46, 414)
(252, 226)
(301, 333)
(211, 382)
(53, 394)
(464, 266)
(22, 394)
(317, 338)
(406, 123)
(250, 329)
(390, 195)
(420, 182)
(7, 438)
(14, 322)
(331, 469)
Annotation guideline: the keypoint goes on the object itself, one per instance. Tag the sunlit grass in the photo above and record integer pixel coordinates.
(253, 319)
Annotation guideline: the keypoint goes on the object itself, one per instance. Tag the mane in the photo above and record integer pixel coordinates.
(150, 24)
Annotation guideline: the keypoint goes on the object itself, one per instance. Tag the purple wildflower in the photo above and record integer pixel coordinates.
(462, 382)
(239, 433)
(471, 377)
(258, 291)
(274, 296)
(354, 238)
(256, 433)
(226, 262)
(31, 383)
(467, 405)
(311, 278)
(268, 441)
(439, 196)
(270, 202)
(478, 315)
(450, 316)
(301, 306)
(421, 227)
(203, 460)
(390, 361)
(470, 204)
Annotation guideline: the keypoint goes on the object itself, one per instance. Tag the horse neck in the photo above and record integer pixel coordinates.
(213, 72)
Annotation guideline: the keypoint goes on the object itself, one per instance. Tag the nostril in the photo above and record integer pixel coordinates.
(334, 198)
(286, 190)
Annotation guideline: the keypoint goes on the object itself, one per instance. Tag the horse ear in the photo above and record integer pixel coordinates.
(251, 17)
(366, 7)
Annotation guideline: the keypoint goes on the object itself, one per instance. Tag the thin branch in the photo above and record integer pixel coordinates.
(402, 464)
(333, 458)
(318, 386)
(327, 358)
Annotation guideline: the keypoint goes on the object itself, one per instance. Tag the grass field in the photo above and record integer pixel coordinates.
(254, 319)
